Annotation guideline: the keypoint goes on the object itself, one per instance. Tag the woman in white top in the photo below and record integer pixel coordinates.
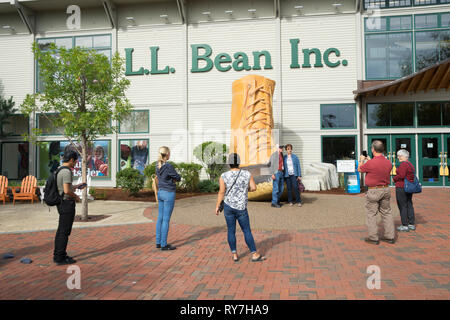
(234, 187)
(292, 174)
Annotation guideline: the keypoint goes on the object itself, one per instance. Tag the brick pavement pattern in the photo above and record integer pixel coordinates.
(121, 262)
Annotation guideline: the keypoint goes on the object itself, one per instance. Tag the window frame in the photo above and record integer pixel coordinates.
(138, 132)
(355, 136)
(28, 125)
(136, 139)
(338, 104)
(37, 89)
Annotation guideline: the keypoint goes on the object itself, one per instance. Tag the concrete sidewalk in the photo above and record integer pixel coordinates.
(26, 217)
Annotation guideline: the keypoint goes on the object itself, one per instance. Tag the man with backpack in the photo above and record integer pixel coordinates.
(66, 207)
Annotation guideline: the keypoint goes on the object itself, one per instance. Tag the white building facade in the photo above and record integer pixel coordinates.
(182, 57)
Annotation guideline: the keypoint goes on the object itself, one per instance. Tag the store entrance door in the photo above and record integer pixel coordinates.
(404, 141)
(430, 149)
(446, 162)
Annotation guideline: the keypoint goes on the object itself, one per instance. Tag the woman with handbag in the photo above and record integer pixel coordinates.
(404, 199)
(166, 177)
(292, 175)
(233, 199)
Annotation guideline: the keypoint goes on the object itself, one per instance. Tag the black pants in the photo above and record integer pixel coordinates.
(66, 212)
(405, 205)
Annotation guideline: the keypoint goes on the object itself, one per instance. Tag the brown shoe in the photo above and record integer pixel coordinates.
(368, 240)
(391, 241)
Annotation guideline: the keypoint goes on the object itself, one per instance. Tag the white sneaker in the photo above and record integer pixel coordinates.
(299, 204)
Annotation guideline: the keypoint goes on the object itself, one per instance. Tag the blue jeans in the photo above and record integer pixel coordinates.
(166, 201)
(292, 184)
(231, 215)
(277, 187)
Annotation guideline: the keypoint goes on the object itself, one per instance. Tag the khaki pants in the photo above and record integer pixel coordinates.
(378, 200)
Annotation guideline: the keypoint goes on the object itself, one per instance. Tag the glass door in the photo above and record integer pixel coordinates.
(430, 150)
(445, 165)
(404, 141)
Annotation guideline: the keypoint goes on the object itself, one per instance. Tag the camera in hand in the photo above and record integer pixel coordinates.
(364, 153)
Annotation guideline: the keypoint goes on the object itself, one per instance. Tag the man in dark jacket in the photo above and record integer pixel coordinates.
(277, 170)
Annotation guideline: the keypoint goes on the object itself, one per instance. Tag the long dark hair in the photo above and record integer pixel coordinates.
(234, 160)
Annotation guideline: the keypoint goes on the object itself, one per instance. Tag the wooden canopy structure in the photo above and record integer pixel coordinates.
(435, 77)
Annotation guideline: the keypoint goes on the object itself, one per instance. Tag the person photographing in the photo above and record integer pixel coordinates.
(378, 195)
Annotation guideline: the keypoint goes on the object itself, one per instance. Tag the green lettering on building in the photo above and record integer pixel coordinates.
(241, 62)
(294, 53)
(257, 60)
(306, 58)
(196, 57)
(154, 59)
(129, 64)
(220, 59)
(326, 57)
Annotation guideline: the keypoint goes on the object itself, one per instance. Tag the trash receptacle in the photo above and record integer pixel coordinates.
(352, 181)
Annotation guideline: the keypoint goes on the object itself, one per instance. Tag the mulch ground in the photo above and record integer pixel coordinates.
(146, 195)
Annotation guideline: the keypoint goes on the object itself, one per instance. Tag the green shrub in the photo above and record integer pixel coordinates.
(130, 180)
(190, 176)
(213, 157)
(208, 186)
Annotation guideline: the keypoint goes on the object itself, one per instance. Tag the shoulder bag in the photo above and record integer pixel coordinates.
(413, 187)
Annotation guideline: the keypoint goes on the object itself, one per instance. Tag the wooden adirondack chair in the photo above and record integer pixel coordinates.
(27, 190)
(3, 188)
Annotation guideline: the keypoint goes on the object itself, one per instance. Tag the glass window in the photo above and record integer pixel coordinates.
(400, 55)
(445, 20)
(427, 49)
(426, 21)
(45, 43)
(99, 155)
(83, 42)
(424, 2)
(400, 23)
(444, 45)
(15, 125)
(429, 114)
(46, 125)
(376, 56)
(64, 42)
(399, 3)
(378, 115)
(375, 4)
(133, 154)
(446, 114)
(106, 52)
(102, 41)
(15, 160)
(402, 115)
(136, 122)
(338, 116)
(430, 148)
(375, 24)
(338, 148)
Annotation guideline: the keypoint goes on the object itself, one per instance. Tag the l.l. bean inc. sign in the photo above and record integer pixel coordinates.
(202, 54)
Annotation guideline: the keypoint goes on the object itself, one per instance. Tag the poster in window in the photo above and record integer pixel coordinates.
(133, 154)
(98, 158)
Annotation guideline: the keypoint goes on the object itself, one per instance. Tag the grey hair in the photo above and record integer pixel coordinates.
(403, 153)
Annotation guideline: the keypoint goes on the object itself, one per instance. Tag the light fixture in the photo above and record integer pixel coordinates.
(252, 10)
(337, 5)
(206, 13)
(230, 12)
(8, 27)
(163, 16)
(298, 7)
(130, 18)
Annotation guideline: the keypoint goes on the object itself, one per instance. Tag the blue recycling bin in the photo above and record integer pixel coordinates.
(352, 180)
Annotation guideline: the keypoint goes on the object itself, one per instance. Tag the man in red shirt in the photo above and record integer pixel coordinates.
(378, 196)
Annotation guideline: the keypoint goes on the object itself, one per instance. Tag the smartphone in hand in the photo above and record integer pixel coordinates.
(82, 186)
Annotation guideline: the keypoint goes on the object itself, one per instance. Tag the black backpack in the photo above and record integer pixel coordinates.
(51, 194)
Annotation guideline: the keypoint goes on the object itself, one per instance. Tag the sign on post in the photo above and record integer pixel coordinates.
(345, 165)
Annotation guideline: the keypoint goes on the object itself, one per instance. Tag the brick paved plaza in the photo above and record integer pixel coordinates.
(121, 262)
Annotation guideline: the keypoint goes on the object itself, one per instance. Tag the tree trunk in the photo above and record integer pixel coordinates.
(84, 201)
